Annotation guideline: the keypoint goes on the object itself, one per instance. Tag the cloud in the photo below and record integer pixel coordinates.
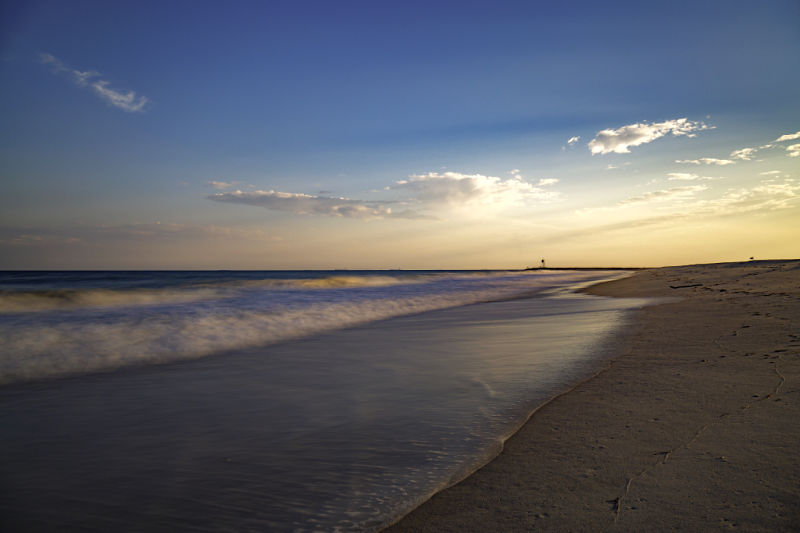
(787, 137)
(127, 101)
(706, 161)
(573, 140)
(421, 197)
(620, 140)
(675, 193)
(769, 173)
(456, 189)
(223, 184)
(306, 204)
(768, 196)
(745, 154)
(686, 176)
(682, 176)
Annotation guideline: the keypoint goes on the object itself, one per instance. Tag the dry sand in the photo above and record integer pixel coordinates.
(694, 425)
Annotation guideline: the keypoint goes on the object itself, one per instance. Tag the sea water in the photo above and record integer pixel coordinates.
(281, 401)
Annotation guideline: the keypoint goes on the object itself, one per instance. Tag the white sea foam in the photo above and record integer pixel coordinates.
(25, 302)
(146, 326)
(49, 300)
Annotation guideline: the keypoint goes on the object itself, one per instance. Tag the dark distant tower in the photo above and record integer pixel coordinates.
(543, 264)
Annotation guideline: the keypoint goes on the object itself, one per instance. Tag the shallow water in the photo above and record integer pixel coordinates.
(342, 431)
(345, 430)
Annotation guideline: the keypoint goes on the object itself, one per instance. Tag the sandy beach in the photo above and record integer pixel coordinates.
(692, 425)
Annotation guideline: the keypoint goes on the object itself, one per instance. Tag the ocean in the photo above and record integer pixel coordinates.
(273, 401)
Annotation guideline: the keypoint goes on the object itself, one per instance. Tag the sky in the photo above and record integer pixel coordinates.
(382, 135)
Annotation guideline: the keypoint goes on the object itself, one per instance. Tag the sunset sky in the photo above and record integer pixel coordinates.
(306, 135)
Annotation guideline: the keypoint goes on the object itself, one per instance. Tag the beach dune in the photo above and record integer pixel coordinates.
(692, 425)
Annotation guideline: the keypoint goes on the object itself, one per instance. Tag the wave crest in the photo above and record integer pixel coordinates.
(87, 333)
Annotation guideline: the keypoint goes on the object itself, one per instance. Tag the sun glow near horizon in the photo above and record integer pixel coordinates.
(348, 163)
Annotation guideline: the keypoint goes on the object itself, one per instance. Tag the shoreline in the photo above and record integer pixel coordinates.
(372, 420)
(690, 425)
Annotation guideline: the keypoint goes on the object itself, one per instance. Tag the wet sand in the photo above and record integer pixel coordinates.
(693, 425)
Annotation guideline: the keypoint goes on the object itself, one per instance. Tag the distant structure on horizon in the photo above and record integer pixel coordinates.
(543, 264)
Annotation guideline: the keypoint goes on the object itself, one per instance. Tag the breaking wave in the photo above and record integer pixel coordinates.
(66, 331)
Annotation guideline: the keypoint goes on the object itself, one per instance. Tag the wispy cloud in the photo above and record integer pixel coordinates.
(127, 101)
(787, 137)
(621, 139)
(573, 140)
(680, 202)
(223, 184)
(544, 182)
(306, 204)
(706, 161)
(674, 193)
(768, 196)
(687, 176)
(748, 153)
(769, 173)
(745, 154)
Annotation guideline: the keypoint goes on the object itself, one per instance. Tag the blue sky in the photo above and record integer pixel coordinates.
(380, 135)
